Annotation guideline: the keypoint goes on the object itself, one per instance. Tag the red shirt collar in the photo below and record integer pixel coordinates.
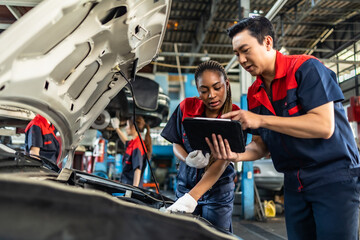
(136, 143)
(280, 65)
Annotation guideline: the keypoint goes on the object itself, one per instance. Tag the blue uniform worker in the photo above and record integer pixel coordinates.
(134, 158)
(39, 133)
(310, 162)
(217, 203)
(317, 171)
(295, 113)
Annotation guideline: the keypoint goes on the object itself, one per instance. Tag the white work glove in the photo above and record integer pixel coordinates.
(115, 122)
(197, 159)
(185, 204)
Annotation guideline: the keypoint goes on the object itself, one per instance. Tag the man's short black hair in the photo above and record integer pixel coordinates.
(258, 27)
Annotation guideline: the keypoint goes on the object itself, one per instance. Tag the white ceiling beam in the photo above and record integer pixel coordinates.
(228, 56)
(194, 55)
(14, 11)
(220, 45)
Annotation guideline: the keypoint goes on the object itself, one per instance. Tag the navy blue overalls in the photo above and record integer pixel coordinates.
(134, 158)
(321, 186)
(40, 133)
(216, 204)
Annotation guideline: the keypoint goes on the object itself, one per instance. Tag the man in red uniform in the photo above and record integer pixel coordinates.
(295, 113)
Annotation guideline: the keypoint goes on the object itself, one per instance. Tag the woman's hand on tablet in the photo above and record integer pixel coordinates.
(221, 149)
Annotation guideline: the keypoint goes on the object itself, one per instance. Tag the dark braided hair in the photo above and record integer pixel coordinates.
(216, 67)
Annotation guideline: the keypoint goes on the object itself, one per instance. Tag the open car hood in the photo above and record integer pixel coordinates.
(39, 202)
(60, 59)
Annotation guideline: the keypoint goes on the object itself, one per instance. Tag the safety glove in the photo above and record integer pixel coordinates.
(115, 122)
(185, 204)
(197, 159)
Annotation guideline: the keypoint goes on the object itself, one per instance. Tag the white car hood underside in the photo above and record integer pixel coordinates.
(59, 59)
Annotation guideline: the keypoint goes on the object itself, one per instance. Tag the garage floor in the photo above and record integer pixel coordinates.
(272, 229)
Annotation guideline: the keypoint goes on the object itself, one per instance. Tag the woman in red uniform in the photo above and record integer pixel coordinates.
(205, 186)
(134, 160)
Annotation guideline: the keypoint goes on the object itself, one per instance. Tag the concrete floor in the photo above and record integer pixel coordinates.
(272, 229)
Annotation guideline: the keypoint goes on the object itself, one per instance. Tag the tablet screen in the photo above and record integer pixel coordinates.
(198, 128)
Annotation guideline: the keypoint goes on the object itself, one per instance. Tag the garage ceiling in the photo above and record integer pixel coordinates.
(197, 28)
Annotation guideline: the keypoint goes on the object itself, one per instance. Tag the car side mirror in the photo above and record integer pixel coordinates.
(146, 92)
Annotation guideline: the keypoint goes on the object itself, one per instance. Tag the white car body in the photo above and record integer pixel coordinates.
(61, 59)
(268, 178)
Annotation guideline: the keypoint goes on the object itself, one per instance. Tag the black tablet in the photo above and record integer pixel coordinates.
(198, 128)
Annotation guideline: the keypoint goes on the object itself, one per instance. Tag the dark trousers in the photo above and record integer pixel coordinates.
(217, 209)
(327, 212)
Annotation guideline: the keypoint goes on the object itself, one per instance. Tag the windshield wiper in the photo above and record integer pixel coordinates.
(46, 162)
(10, 157)
(6, 151)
